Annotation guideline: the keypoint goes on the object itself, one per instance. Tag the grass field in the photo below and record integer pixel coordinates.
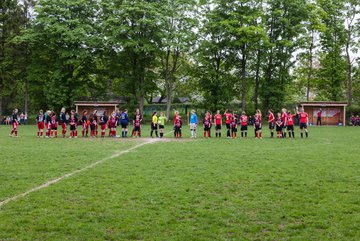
(203, 189)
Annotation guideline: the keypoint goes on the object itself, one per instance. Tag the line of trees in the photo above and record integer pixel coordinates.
(260, 53)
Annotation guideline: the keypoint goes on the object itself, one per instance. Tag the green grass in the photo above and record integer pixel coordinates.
(203, 189)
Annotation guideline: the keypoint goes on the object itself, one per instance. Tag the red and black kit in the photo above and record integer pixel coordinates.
(178, 126)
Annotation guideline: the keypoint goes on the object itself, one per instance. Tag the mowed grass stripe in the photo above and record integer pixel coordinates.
(27, 162)
(205, 190)
(67, 175)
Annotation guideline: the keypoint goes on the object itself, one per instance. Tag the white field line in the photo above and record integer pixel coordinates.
(51, 182)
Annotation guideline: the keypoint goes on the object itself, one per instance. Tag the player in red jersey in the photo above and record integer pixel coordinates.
(319, 114)
(40, 118)
(48, 123)
(211, 119)
(92, 124)
(73, 123)
(139, 116)
(234, 125)
(207, 126)
(218, 123)
(257, 127)
(103, 124)
(228, 117)
(76, 122)
(304, 122)
(244, 124)
(85, 124)
(357, 120)
(62, 120)
(290, 124)
(15, 123)
(96, 123)
(176, 114)
(279, 125)
(258, 112)
(284, 120)
(137, 126)
(112, 124)
(271, 122)
(54, 125)
(178, 126)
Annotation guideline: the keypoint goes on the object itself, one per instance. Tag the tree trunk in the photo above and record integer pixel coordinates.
(310, 73)
(243, 80)
(167, 84)
(257, 80)
(171, 81)
(141, 95)
(26, 107)
(349, 71)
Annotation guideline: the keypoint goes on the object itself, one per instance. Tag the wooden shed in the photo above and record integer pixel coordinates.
(100, 106)
(333, 112)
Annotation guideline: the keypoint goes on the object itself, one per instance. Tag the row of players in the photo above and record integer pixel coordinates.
(283, 122)
(49, 121)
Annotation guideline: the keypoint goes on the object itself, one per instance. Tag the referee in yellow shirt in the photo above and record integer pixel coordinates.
(154, 125)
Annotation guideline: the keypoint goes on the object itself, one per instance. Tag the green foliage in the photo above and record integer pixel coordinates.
(263, 54)
(332, 75)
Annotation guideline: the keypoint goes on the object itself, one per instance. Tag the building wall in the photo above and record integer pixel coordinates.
(100, 109)
(330, 115)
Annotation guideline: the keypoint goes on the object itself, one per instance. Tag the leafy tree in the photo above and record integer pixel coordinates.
(333, 39)
(11, 22)
(63, 39)
(133, 32)
(212, 62)
(284, 23)
(177, 38)
(352, 29)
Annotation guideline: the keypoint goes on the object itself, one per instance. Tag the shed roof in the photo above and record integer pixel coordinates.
(96, 103)
(324, 103)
